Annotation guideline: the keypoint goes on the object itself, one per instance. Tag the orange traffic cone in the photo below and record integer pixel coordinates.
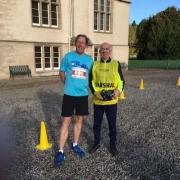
(178, 82)
(44, 145)
(122, 96)
(141, 86)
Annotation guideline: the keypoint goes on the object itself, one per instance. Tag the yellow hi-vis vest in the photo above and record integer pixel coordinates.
(105, 76)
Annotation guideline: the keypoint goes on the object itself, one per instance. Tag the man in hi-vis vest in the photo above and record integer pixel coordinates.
(107, 84)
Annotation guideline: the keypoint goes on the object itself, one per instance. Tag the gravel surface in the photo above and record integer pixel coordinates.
(148, 135)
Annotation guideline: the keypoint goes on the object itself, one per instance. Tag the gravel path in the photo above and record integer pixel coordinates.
(148, 131)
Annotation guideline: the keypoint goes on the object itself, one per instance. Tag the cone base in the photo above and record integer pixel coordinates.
(42, 148)
(141, 88)
(122, 98)
(178, 82)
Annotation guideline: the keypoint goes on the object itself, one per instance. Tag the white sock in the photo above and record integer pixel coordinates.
(61, 150)
(75, 144)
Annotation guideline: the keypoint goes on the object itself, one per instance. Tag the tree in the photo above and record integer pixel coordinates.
(132, 41)
(159, 36)
(134, 23)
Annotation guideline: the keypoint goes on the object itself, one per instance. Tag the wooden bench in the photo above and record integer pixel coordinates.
(19, 70)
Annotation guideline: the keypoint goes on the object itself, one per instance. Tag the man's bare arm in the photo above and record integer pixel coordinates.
(62, 76)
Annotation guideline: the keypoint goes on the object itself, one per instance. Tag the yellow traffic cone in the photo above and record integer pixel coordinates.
(122, 96)
(141, 87)
(44, 145)
(178, 82)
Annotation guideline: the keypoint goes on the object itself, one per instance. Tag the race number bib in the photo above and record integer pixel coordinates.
(79, 73)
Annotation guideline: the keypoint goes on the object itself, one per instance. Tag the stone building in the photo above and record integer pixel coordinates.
(38, 33)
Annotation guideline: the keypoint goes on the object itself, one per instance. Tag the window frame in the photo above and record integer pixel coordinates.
(96, 49)
(47, 4)
(37, 24)
(49, 11)
(104, 11)
(109, 14)
(48, 57)
(101, 24)
(51, 57)
(57, 15)
(56, 57)
(38, 69)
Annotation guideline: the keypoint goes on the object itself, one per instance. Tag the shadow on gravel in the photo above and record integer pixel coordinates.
(4, 151)
(87, 131)
(144, 163)
(51, 106)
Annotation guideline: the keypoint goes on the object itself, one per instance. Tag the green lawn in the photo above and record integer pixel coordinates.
(160, 64)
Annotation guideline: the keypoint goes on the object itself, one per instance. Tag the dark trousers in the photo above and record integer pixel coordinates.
(111, 113)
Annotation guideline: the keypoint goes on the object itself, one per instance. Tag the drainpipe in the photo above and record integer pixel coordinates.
(71, 23)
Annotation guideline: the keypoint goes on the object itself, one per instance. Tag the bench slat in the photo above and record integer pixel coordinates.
(19, 70)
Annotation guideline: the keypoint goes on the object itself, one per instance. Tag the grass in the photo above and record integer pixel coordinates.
(159, 64)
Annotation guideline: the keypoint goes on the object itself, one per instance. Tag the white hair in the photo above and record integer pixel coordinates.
(105, 43)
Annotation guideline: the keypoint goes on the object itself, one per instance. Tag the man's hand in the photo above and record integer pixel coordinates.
(116, 93)
(98, 95)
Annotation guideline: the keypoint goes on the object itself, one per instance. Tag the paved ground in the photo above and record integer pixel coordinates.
(148, 131)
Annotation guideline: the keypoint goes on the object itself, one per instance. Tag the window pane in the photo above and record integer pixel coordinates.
(102, 5)
(56, 64)
(44, 20)
(44, 13)
(35, 12)
(56, 60)
(47, 60)
(56, 56)
(53, 14)
(101, 21)
(95, 20)
(34, 5)
(37, 49)
(37, 56)
(47, 65)
(96, 5)
(38, 66)
(53, 7)
(36, 20)
(107, 22)
(54, 1)
(47, 56)
(54, 22)
(47, 49)
(55, 49)
(108, 6)
(96, 50)
(44, 6)
(38, 60)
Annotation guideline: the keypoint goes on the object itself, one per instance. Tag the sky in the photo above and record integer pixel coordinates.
(143, 9)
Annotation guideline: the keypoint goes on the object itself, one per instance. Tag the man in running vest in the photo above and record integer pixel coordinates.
(74, 73)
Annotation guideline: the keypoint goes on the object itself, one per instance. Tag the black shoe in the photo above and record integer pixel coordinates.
(113, 150)
(94, 148)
